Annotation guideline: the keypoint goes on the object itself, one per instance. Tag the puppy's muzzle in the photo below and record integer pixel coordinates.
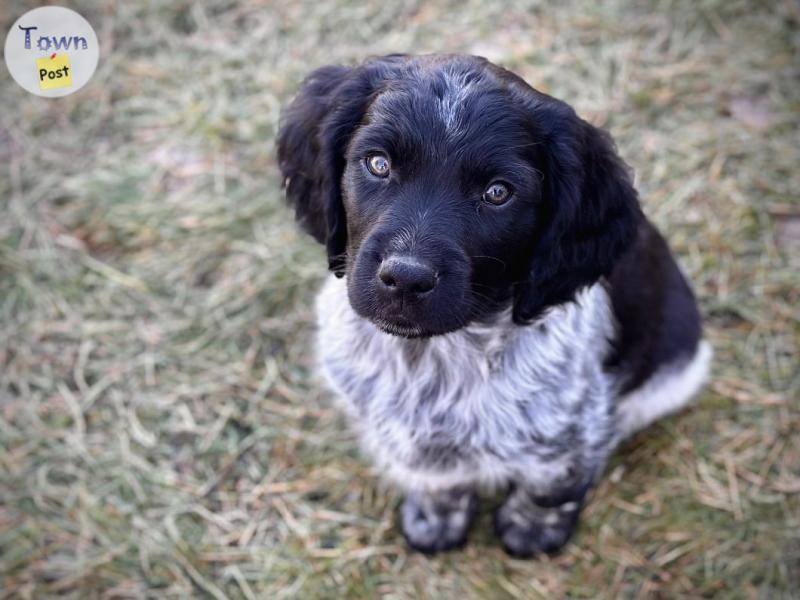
(404, 276)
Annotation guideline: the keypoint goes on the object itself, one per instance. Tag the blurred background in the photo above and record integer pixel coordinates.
(161, 432)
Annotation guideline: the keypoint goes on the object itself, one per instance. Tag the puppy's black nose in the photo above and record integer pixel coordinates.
(404, 275)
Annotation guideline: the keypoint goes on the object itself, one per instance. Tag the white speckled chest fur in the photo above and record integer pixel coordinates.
(481, 406)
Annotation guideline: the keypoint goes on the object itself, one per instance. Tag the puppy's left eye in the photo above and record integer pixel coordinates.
(497, 193)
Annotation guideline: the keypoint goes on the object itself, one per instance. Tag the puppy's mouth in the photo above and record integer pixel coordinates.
(402, 328)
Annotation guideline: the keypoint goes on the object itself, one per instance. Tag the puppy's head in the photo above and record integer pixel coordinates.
(445, 188)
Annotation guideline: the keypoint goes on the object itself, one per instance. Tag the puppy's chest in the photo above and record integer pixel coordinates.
(488, 393)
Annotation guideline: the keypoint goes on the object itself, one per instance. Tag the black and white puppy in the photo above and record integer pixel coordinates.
(502, 313)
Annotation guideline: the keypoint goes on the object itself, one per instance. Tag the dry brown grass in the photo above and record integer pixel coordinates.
(160, 433)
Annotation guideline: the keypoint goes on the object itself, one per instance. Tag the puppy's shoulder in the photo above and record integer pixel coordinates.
(659, 321)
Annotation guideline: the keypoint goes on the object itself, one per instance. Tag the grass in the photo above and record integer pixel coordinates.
(161, 431)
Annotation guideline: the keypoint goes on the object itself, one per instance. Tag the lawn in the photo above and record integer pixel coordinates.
(161, 430)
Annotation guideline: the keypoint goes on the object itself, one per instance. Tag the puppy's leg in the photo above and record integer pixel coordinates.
(529, 524)
(433, 522)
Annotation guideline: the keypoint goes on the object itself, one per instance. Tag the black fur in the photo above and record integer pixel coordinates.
(592, 211)
(450, 127)
(575, 217)
(655, 308)
(581, 209)
(312, 141)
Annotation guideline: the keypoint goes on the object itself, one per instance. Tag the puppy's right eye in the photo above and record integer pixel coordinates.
(378, 165)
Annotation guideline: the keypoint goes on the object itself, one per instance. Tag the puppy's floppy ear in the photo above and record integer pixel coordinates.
(314, 133)
(591, 210)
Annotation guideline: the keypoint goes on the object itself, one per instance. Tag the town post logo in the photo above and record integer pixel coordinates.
(51, 51)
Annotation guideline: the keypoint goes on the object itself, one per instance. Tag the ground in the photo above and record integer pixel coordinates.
(161, 433)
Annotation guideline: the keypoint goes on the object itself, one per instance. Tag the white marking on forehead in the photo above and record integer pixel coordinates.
(457, 87)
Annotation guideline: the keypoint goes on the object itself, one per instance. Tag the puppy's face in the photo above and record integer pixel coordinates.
(441, 190)
(445, 188)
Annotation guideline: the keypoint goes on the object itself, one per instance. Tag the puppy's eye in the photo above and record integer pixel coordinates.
(497, 193)
(378, 165)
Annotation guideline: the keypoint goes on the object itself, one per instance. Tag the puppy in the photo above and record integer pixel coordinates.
(501, 313)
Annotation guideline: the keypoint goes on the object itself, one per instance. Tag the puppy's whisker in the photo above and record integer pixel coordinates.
(524, 145)
(483, 256)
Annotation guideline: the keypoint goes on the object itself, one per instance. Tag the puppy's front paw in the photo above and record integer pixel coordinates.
(527, 529)
(435, 523)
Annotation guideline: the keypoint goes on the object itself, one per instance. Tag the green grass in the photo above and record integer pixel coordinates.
(161, 431)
